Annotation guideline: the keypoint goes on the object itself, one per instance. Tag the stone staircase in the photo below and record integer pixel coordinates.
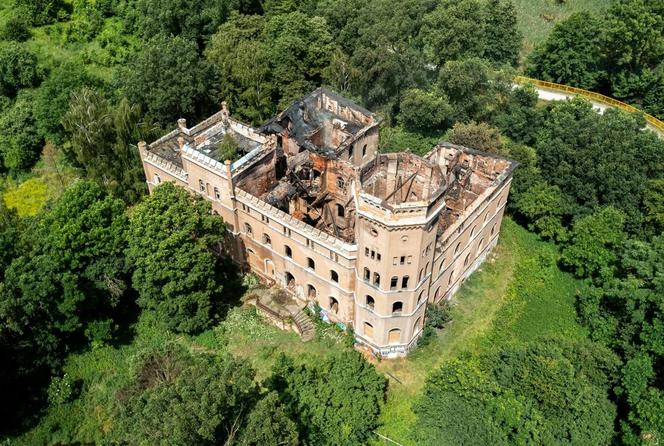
(304, 325)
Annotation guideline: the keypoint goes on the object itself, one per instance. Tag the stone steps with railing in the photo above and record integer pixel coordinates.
(304, 325)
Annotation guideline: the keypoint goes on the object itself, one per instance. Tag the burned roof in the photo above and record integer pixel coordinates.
(321, 122)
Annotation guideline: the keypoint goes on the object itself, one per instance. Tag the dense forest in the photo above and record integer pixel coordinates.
(101, 267)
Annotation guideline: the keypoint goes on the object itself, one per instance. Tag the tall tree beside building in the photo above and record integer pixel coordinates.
(174, 271)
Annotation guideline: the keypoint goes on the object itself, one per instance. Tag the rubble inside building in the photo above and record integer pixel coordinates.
(309, 177)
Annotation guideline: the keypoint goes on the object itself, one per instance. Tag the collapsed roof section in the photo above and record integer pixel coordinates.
(303, 162)
(322, 122)
(397, 178)
(469, 174)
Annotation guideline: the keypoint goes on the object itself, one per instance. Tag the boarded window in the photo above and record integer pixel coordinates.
(368, 330)
(394, 336)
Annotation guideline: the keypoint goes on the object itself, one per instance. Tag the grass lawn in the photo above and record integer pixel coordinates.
(517, 295)
(538, 17)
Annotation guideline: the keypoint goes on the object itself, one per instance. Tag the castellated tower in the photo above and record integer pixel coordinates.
(396, 235)
(310, 205)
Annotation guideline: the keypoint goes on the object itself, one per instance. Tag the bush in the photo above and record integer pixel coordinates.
(16, 29)
(61, 390)
(438, 315)
(18, 69)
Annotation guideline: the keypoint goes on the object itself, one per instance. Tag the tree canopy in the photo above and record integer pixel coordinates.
(174, 270)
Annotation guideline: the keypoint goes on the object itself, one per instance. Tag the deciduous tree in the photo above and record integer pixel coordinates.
(335, 401)
(175, 272)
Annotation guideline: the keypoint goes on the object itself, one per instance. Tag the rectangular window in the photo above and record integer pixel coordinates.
(373, 254)
(287, 231)
(402, 260)
(265, 219)
(410, 259)
(378, 257)
(366, 252)
(395, 260)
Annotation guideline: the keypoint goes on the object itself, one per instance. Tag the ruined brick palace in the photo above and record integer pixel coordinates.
(312, 205)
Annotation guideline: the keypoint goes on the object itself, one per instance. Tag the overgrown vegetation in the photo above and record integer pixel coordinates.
(115, 309)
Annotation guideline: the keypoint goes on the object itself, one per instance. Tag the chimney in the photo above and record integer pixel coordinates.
(182, 124)
(224, 111)
(142, 146)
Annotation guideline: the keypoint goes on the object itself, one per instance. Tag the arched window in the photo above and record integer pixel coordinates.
(486, 215)
(368, 330)
(397, 308)
(435, 295)
(201, 186)
(418, 325)
(457, 247)
(288, 251)
(420, 297)
(341, 212)
(266, 240)
(370, 302)
(248, 230)
(367, 274)
(334, 276)
(493, 229)
(376, 280)
(334, 305)
(340, 183)
(310, 263)
(465, 262)
(217, 194)
(479, 247)
(207, 188)
(350, 152)
(394, 336)
(404, 282)
(290, 280)
(364, 151)
(393, 282)
(449, 282)
(419, 276)
(157, 179)
(311, 291)
(472, 231)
